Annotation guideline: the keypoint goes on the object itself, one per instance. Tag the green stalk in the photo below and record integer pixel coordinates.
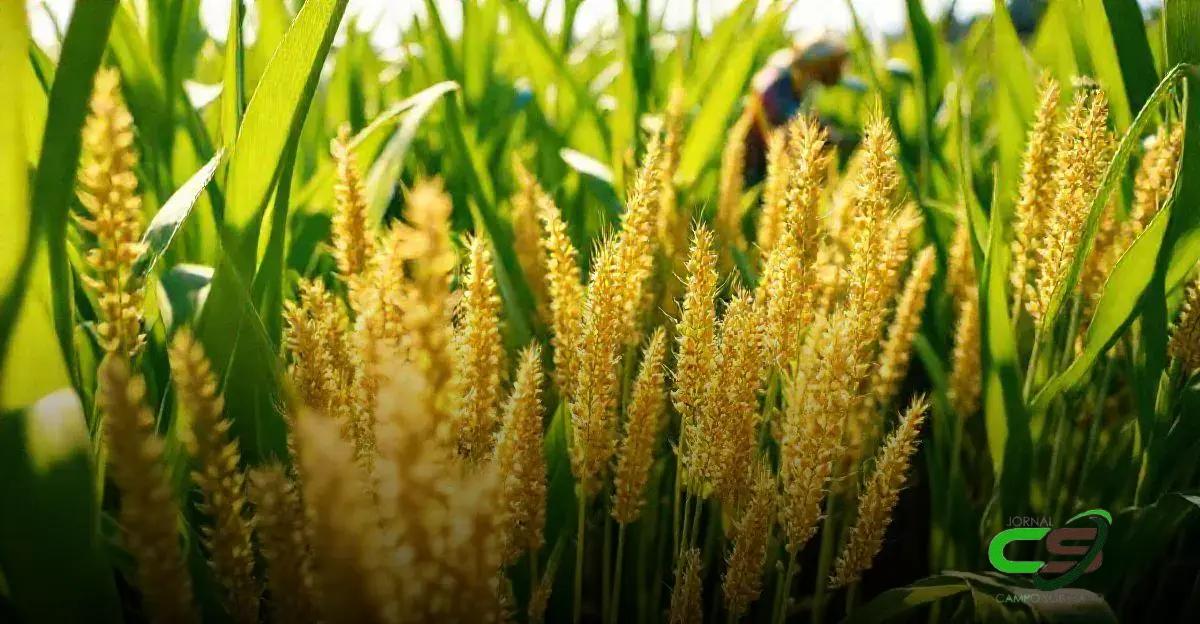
(615, 606)
(824, 561)
(579, 551)
(606, 571)
(783, 591)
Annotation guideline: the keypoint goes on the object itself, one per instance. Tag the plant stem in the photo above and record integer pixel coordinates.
(534, 579)
(824, 560)
(579, 552)
(783, 591)
(615, 607)
(606, 571)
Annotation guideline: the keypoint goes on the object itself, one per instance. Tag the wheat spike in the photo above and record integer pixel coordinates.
(279, 524)
(879, 498)
(353, 238)
(732, 183)
(1084, 151)
(643, 421)
(1184, 344)
(521, 463)
(820, 398)
(480, 355)
(770, 219)
(566, 293)
(696, 353)
(1154, 180)
(1037, 191)
(149, 512)
(960, 274)
(896, 351)
(424, 248)
(108, 191)
(788, 287)
(219, 476)
(733, 406)
(343, 524)
(744, 568)
(966, 378)
(527, 235)
(610, 320)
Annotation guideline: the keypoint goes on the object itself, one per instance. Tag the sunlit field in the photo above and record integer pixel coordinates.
(505, 317)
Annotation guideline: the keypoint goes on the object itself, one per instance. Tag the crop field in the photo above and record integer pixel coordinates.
(519, 318)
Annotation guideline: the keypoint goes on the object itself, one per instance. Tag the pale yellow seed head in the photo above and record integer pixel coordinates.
(108, 191)
(521, 462)
(353, 234)
(966, 376)
(1084, 151)
(879, 497)
(480, 355)
(527, 235)
(643, 421)
(149, 513)
(219, 476)
(1184, 345)
(896, 351)
(1037, 191)
(280, 526)
(566, 292)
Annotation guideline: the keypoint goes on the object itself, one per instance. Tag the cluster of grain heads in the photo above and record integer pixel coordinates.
(1036, 194)
(108, 191)
(1084, 148)
(219, 476)
(610, 321)
(879, 497)
(149, 511)
(787, 291)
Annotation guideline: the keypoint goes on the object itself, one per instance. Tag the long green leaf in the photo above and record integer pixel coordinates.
(707, 133)
(273, 118)
(80, 57)
(167, 221)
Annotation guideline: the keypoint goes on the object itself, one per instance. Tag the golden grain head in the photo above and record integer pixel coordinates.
(879, 497)
(643, 421)
(521, 461)
(149, 512)
(966, 374)
(480, 355)
(219, 475)
(353, 237)
(1184, 344)
(108, 191)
